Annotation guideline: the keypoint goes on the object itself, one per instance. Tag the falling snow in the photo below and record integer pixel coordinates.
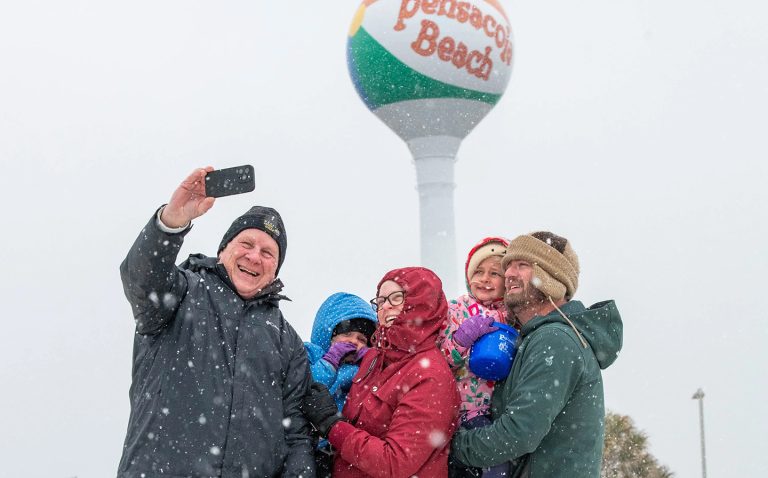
(169, 300)
(437, 438)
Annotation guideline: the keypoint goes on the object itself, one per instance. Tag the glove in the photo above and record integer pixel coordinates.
(337, 351)
(360, 354)
(472, 329)
(320, 408)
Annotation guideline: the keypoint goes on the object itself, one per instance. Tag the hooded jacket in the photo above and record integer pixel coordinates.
(335, 309)
(217, 380)
(548, 415)
(403, 404)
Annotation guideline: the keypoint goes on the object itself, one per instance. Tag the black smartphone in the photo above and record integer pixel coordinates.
(229, 181)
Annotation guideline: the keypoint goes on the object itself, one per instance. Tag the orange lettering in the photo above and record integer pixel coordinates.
(405, 12)
(474, 56)
(428, 42)
(428, 34)
(476, 18)
(486, 65)
(506, 53)
(444, 11)
(445, 48)
(460, 56)
(429, 6)
(489, 30)
(500, 41)
(463, 14)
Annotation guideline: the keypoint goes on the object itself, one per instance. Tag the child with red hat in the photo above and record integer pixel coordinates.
(471, 316)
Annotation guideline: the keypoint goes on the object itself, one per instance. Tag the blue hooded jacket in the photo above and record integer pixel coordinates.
(337, 308)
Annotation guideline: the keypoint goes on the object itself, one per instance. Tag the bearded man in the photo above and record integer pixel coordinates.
(548, 414)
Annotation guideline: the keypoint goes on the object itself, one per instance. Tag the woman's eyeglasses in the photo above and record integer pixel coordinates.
(395, 299)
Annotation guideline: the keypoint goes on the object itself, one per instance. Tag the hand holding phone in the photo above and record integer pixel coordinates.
(188, 200)
(229, 181)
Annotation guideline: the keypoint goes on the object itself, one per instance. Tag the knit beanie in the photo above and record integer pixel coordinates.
(555, 265)
(364, 326)
(264, 219)
(488, 247)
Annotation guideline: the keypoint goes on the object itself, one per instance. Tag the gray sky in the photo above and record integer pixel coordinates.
(634, 128)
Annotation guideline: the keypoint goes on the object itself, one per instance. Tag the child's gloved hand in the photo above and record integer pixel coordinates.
(337, 352)
(472, 329)
(360, 354)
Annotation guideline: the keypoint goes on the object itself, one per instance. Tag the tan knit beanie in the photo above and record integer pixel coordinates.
(555, 265)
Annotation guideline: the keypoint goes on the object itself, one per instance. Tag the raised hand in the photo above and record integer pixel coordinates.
(472, 329)
(337, 352)
(188, 201)
(360, 354)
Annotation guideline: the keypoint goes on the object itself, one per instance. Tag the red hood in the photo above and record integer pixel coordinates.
(424, 313)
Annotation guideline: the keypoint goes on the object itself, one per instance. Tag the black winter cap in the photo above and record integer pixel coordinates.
(265, 219)
(364, 326)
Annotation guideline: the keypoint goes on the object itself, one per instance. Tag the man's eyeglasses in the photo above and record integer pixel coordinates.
(395, 298)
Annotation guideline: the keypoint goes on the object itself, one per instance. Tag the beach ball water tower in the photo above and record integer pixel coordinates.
(431, 70)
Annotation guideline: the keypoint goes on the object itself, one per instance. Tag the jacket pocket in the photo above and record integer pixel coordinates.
(376, 412)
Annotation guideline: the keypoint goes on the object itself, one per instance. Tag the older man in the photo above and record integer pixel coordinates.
(218, 373)
(548, 414)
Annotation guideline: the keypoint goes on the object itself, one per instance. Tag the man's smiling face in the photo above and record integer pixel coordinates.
(520, 292)
(251, 261)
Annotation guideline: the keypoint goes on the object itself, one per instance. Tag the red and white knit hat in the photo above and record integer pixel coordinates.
(488, 247)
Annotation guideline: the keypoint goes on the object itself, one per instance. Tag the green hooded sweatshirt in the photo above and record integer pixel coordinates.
(548, 415)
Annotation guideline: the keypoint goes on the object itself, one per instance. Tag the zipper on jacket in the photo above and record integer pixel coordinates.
(367, 372)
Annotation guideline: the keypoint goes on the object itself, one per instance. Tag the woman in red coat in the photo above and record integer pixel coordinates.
(402, 408)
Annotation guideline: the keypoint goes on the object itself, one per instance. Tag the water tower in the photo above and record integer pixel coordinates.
(431, 70)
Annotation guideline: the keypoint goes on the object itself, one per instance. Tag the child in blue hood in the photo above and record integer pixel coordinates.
(341, 334)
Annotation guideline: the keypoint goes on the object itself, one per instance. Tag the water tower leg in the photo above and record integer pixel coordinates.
(434, 158)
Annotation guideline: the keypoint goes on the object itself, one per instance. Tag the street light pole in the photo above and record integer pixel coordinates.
(699, 395)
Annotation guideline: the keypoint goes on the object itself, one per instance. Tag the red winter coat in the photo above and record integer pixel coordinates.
(403, 404)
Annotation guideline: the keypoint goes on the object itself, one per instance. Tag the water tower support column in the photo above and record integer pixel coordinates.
(434, 157)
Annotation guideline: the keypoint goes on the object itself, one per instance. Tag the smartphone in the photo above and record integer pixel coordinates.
(229, 181)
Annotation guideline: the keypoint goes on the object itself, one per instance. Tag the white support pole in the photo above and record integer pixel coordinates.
(434, 158)
(699, 395)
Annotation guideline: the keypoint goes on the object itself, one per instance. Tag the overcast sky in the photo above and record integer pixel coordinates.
(634, 128)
